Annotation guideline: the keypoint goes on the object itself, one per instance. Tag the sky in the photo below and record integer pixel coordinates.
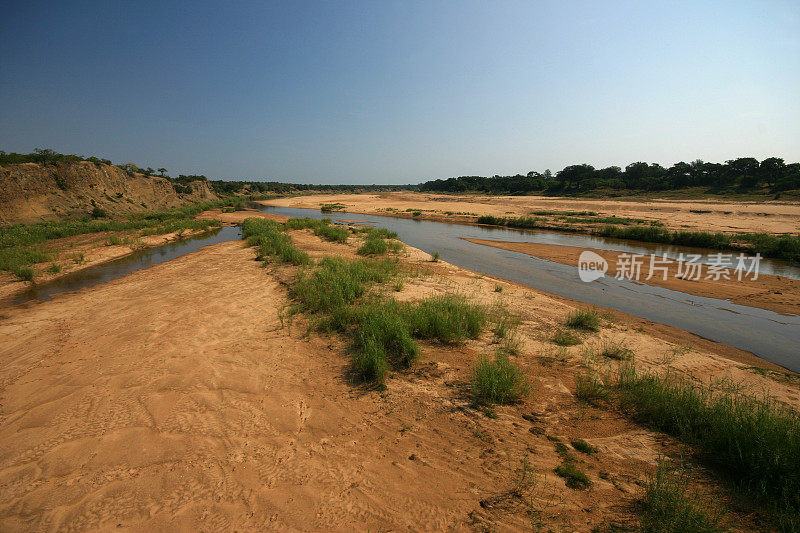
(400, 92)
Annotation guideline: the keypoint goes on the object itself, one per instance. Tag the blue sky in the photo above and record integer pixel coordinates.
(400, 92)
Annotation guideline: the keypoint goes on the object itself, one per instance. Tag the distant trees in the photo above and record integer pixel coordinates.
(741, 174)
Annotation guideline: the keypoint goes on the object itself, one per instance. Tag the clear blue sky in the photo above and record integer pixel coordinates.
(400, 92)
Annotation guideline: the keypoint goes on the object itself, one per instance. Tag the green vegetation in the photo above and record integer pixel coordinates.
(573, 476)
(583, 446)
(330, 208)
(321, 228)
(382, 339)
(497, 380)
(272, 242)
(736, 175)
(566, 338)
(755, 443)
(668, 508)
(590, 389)
(435, 256)
(518, 222)
(376, 243)
(448, 318)
(585, 319)
(54, 268)
(18, 259)
(782, 247)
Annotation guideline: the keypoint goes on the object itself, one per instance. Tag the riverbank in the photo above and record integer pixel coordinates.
(774, 293)
(211, 407)
(81, 252)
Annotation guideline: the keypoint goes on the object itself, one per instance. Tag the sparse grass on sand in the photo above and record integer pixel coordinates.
(668, 508)
(376, 243)
(321, 228)
(566, 338)
(272, 242)
(585, 319)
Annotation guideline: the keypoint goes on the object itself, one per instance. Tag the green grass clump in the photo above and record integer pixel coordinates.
(55, 268)
(320, 227)
(668, 508)
(435, 256)
(573, 476)
(497, 380)
(113, 241)
(382, 339)
(583, 446)
(337, 282)
(753, 442)
(376, 243)
(566, 338)
(448, 318)
(272, 242)
(585, 319)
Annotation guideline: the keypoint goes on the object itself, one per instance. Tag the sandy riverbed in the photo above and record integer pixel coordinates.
(185, 400)
(698, 215)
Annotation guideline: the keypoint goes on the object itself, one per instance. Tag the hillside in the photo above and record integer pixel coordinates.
(33, 192)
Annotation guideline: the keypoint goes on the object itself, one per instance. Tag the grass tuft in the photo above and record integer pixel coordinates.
(566, 338)
(498, 381)
(585, 319)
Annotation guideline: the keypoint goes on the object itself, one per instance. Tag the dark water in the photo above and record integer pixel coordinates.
(91, 276)
(770, 335)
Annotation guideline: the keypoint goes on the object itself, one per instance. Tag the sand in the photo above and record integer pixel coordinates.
(775, 293)
(182, 398)
(774, 216)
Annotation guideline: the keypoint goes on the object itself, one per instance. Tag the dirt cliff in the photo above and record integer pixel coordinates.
(31, 192)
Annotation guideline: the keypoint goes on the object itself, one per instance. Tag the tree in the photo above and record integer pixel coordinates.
(771, 169)
(162, 171)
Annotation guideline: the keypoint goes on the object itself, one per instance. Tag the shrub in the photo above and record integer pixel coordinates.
(113, 241)
(24, 273)
(99, 213)
(497, 381)
(381, 336)
(435, 256)
(585, 319)
(667, 507)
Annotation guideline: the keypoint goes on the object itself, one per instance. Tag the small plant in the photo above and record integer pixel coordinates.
(98, 212)
(113, 241)
(55, 268)
(498, 288)
(77, 257)
(667, 507)
(416, 213)
(449, 318)
(573, 476)
(583, 446)
(435, 256)
(585, 319)
(566, 338)
(498, 381)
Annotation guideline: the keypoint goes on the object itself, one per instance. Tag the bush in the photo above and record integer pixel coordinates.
(585, 319)
(373, 246)
(381, 339)
(435, 256)
(497, 381)
(99, 213)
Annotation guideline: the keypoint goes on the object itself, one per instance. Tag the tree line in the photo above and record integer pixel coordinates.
(742, 174)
